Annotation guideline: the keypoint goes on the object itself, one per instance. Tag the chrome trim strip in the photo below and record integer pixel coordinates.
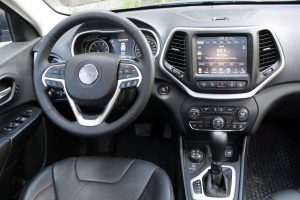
(115, 31)
(202, 196)
(222, 96)
(101, 118)
(5, 92)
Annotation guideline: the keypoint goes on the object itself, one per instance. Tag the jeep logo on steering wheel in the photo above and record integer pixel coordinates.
(88, 74)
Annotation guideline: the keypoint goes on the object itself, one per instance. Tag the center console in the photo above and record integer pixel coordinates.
(220, 70)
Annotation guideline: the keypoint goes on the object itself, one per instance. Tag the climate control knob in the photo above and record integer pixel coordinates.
(194, 113)
(243, 114)
(218, 123)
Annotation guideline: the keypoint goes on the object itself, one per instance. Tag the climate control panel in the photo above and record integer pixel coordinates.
(211, 116)
(218, 118)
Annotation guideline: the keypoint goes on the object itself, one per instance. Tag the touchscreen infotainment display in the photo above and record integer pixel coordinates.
(221, 55)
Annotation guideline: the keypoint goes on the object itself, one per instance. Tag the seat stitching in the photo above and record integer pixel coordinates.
(42, 190)
(146, 193)
(148, 182)
(78, 193)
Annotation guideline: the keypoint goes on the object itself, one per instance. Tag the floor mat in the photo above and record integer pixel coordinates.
(273, 161)
(152, 148)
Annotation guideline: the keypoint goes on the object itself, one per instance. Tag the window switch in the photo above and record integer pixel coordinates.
(8, 130)
(27, 113)
(21, 119)
(13, 125)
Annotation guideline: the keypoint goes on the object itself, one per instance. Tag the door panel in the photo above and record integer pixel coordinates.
(20, 119)
(16, 60)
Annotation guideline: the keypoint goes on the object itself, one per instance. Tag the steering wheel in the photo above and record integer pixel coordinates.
(93, 79)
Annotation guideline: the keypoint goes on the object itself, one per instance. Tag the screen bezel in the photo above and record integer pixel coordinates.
(222, 77)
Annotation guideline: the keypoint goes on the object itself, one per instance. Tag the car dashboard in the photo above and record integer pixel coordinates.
(218, 68)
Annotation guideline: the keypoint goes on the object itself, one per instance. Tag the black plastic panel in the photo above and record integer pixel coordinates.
(219, 109)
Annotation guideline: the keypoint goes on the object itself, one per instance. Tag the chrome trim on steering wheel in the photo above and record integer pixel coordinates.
(107, 110)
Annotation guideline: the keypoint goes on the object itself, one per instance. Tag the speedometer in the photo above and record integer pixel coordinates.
(98, 45)
(153, 45)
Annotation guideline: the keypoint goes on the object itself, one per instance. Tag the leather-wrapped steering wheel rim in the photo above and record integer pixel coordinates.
(147, 71)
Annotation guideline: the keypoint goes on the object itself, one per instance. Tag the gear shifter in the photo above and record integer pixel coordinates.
(217, 181)
(217, 143)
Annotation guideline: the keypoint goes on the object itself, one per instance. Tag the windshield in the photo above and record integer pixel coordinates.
(73, 6)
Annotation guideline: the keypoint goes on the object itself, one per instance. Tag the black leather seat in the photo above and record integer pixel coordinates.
(285, 195)
(92, 178)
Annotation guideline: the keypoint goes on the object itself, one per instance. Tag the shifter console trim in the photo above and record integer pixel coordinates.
(202, 196)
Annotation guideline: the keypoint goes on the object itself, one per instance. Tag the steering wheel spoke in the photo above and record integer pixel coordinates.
(129, 76)
(92, 120)
(53, 76)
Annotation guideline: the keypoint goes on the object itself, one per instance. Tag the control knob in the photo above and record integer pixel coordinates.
(194, 113)
(196, 155)
(242, 114)
(218, 122)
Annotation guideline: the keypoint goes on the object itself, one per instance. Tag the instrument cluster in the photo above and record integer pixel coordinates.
(113, 41)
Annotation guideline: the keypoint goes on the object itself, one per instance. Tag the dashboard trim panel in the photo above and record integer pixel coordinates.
(115, 31)
(222, 96)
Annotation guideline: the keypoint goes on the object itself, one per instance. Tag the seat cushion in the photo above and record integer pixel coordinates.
(93, 178)
(285, 195)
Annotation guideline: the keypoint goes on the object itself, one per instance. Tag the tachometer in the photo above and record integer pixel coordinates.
(153, 45)
(98, 45)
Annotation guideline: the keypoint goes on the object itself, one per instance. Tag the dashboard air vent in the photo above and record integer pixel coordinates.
(268, 52)
(176, 54)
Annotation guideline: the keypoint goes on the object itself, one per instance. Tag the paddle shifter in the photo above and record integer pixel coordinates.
(217, 181)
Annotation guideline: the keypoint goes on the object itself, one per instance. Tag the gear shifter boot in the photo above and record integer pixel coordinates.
(217, 182)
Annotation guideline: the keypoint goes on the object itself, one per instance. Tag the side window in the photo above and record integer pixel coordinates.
(5, 36)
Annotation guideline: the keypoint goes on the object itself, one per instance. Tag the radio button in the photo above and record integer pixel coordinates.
(232, 84)
(238, 126)
(222, 84)
(229, 109)
(212, 84)
(241, 84)
(206, 109)
(215, 109)
(203, 84)
(196, 125)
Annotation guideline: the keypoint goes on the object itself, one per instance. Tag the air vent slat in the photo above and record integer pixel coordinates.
(176, 54)
(268, 53)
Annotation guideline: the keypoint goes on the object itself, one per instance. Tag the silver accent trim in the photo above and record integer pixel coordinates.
(230, 130)
(76, 110)
(221, 96)
(5, 92)
(202, 196)
(115, 31)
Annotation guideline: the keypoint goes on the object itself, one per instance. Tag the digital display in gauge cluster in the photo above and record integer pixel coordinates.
(119, 43)
(221, 55)
(123, 46)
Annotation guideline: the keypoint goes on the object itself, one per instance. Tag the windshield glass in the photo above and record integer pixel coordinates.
(73, 6)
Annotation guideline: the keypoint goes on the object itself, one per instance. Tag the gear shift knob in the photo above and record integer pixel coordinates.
(217, 143)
